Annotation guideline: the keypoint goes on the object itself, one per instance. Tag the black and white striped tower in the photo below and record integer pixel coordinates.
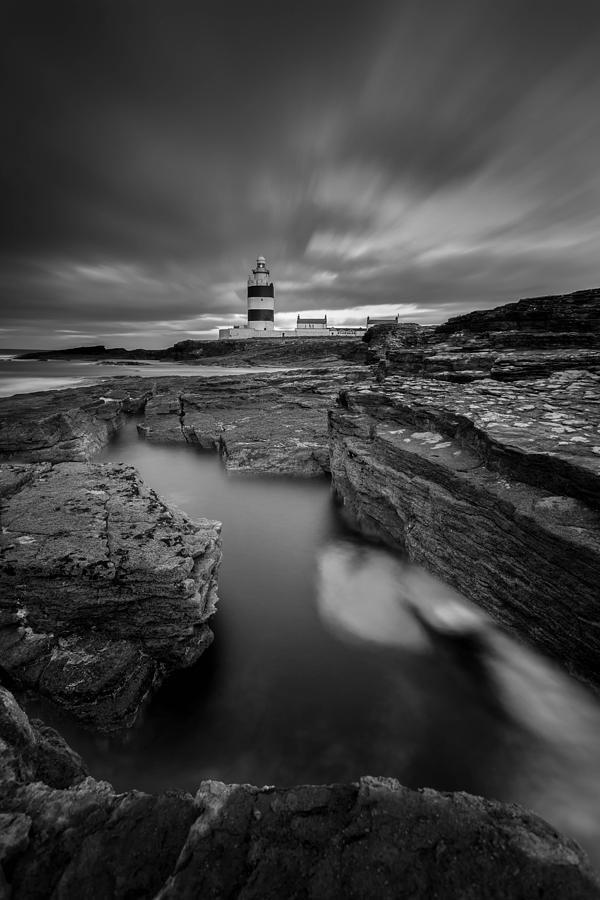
(261, 298)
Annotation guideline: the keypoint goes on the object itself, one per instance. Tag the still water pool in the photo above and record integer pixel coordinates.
(321, 672)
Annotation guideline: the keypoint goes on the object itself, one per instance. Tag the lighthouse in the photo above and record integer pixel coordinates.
(261, 298)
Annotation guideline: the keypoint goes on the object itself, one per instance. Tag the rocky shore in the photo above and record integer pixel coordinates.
(254, 352)
(474, 448)
(64, 834)
(490, 481)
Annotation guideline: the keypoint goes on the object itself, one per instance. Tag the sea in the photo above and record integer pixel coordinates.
(321, 672)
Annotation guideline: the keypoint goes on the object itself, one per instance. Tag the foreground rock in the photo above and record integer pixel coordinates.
(103, 588)
(67, 835)
(271, 424)
(495, 488)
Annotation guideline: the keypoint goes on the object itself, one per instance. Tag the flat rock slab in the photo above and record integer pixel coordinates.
(546, 430)
(104, 588)
(494, 488)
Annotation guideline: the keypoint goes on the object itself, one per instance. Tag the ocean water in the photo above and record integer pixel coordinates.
(321, 670)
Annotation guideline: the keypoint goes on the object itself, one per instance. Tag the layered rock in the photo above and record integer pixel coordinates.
(532, 338)
(459, 364)
(493, 487)
(575, 315)
(67, 835)
(73, 424)
(104, 588)
(264, 424)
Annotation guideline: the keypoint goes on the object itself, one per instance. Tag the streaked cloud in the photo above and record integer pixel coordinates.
(422, 157)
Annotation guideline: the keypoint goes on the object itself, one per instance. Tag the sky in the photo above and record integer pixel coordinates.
(410, 156)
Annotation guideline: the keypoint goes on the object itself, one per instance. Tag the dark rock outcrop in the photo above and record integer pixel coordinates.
(70, 836)
(104, 588)
(495, 488)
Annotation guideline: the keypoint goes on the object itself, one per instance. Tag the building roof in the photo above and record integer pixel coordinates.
(382, 320)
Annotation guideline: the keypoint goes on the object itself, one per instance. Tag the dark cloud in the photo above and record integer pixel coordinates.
(437, 155)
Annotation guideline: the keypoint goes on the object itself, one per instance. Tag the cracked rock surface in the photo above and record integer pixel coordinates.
(66, 835)
(103, 587)
(270, 424)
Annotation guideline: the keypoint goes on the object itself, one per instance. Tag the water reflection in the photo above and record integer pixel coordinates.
(542, 735)
(366, 593)
(334, 658)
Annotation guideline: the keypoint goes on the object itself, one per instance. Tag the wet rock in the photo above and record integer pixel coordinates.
(104, 588)
(372, 839)
(270, 424)
(493, 487)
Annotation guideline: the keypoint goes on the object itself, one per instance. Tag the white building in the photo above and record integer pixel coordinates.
(312, 327)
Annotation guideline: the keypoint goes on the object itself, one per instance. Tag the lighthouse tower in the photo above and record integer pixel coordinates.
(261, 298)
